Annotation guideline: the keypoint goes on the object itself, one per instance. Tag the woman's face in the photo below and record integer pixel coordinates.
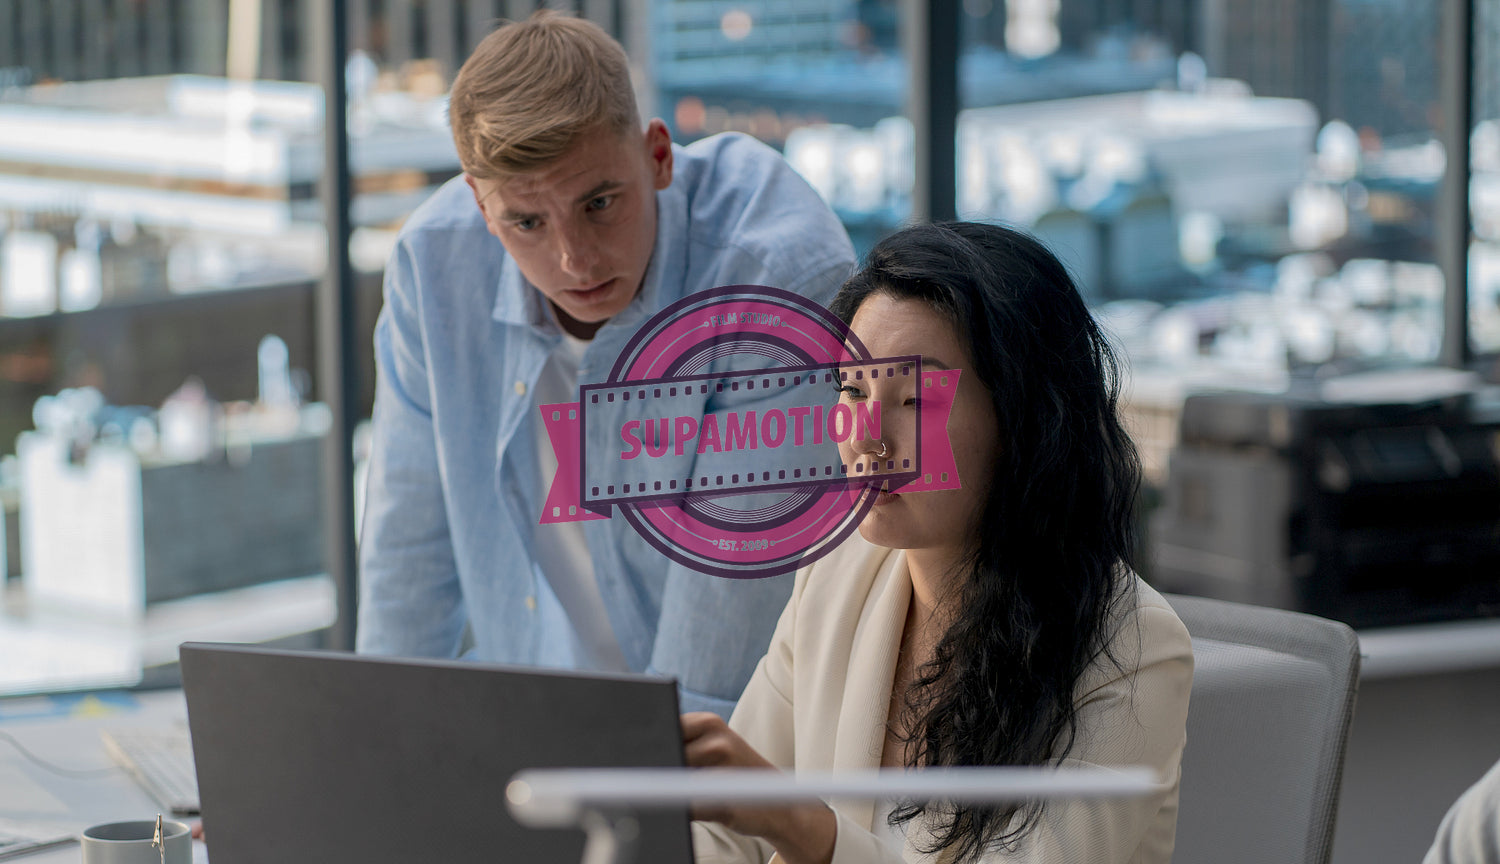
(946, 521)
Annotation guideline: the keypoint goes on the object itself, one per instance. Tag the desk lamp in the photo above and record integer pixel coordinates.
(602, 801)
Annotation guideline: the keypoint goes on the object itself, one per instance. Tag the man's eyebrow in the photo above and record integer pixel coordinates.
(604, 187)
(510, 215)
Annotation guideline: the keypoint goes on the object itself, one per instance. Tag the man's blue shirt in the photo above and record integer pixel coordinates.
(453, 494)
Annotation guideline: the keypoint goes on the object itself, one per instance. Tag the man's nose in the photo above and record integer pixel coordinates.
(577, 252)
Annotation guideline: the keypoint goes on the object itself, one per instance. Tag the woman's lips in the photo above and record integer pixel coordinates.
(883, 497)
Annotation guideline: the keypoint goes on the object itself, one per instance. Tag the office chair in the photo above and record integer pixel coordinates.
(1273, 694)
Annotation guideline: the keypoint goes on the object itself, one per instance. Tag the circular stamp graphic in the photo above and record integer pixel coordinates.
(788, 332)
(717, 433)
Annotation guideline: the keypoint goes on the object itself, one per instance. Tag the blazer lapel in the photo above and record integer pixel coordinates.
(872, 669)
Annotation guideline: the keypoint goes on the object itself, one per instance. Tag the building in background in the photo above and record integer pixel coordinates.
(1245, 189)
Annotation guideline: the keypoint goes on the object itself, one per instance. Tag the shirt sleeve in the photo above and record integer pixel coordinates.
(712, 629)
(410, 600)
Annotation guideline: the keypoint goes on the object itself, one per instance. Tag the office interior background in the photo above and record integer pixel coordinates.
(1259, 198)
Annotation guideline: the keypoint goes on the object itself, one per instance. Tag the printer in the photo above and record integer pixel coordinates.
(1373, 510)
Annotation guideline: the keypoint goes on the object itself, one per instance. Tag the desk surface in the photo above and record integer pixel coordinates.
(65, 732)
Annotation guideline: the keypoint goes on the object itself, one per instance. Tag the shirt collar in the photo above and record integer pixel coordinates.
(518, 302)
(662, 283)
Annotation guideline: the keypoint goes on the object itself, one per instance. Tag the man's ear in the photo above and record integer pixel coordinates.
(480, 202)
(659, 152)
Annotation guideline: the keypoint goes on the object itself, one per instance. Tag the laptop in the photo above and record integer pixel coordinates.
(332, 757)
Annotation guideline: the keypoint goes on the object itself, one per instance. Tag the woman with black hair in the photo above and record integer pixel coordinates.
(995, 624)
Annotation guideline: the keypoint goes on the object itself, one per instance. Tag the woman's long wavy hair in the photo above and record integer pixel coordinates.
(1040, 589)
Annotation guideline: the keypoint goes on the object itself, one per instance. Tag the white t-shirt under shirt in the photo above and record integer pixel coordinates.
(561, 549)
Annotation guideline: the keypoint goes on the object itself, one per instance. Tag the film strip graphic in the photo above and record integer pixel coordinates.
(565, 421)
(739, 473)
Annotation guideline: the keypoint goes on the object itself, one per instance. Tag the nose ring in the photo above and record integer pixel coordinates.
(882, 454)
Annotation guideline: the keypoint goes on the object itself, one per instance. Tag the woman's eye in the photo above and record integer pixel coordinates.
(526, 224)
(851, 391)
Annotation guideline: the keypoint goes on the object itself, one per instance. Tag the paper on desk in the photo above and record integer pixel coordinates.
(23, 798)
(23, 839)
(41, 828)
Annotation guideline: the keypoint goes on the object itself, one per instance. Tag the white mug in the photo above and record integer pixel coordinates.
(131, 843)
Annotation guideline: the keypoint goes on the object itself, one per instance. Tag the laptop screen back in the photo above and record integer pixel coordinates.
(334, 757)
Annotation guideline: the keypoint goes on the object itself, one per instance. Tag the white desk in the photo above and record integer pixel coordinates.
(1424, 729)
(50, 649)
(65, 731)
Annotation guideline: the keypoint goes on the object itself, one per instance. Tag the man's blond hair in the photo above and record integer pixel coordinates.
(532, 88)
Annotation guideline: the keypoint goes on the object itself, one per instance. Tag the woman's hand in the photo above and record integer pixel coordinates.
(803, 833)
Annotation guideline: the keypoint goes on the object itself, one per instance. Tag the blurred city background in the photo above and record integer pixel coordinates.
(1249, 193)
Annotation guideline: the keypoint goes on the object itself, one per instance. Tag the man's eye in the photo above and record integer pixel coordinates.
(601, 202)
(526, 224)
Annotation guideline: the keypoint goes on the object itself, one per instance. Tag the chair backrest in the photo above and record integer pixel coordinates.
(1273, 694)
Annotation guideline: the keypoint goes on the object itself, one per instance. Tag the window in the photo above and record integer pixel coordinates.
(1245, 191)
(160, 242)
(1484, 184)
(822, 81)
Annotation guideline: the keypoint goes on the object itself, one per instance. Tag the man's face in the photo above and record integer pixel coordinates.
(582, 228)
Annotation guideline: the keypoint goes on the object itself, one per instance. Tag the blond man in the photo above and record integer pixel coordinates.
(572, 224)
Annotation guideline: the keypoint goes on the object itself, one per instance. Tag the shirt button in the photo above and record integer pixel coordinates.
(520, 388)
(531, 602)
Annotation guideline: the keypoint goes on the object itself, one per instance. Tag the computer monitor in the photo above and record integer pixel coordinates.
(335, 757)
